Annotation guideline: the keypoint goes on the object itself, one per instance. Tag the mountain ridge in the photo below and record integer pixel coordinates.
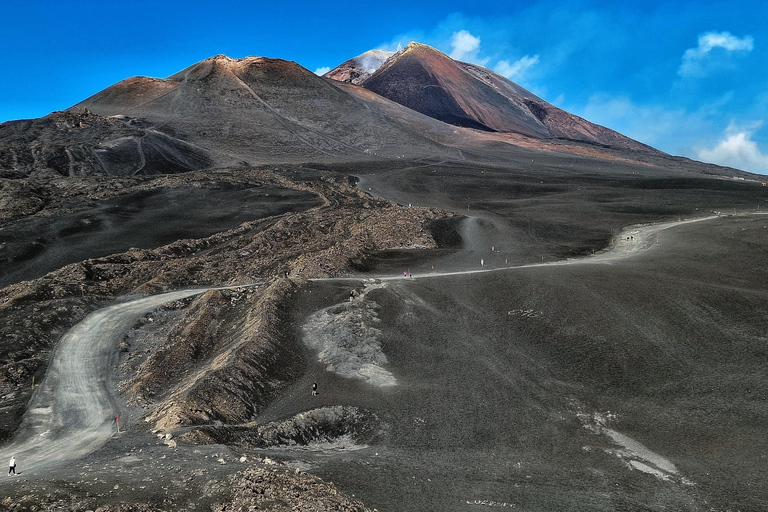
(225, 112)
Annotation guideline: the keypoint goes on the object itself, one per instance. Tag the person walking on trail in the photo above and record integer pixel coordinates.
(314, 389)
(12, 469)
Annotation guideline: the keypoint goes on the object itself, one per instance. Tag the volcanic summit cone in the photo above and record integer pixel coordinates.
(258, 109)
(428, 81)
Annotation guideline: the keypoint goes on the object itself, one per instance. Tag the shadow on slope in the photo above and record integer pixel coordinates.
(146, 219)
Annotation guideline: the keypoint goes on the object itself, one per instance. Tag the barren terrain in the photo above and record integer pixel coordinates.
(465, 385)
(493, 320)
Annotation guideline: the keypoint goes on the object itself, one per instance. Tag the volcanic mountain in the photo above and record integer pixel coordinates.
(428, 81)
(217, 112)
(257, 108)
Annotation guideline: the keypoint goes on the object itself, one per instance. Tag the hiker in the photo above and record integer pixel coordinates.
(314, 388)
(12, 469)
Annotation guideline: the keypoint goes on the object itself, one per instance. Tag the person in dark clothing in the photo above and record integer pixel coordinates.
(12, 469)
(314, 389)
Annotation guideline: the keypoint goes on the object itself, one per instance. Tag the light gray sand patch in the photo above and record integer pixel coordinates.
(346, 340)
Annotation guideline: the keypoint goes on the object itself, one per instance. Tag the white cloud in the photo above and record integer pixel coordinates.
(559, 100)
(697, 61)
(726, 40)
(737, 149)
(464, 45)
(655, 125)
(323, 70)
(517, 69)
(372, 60)
(680, 132)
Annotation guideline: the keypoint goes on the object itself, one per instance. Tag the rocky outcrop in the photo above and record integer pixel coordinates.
(183, 347)
(81, 143)
(334, 424)
(251, 484)
(241, 373)
(277, 490)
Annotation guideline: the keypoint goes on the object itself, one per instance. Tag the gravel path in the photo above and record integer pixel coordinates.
(632, 241)
(73, 411)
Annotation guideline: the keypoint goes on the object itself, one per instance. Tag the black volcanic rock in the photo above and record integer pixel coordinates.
(81, 143)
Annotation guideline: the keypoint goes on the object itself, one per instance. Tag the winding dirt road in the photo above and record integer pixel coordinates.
(73, 412)
(632, 241)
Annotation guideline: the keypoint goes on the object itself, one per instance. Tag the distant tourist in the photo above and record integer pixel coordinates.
(12, 470)
(314, 389)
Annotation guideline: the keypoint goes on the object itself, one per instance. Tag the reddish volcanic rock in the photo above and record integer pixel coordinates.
(428, 81)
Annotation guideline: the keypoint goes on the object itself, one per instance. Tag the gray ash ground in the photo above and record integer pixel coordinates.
(634, 384)
(135, 463)
(145, 219)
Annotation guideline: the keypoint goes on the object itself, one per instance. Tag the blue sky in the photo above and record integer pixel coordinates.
(687, 77)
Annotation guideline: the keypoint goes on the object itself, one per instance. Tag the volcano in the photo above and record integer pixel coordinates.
(416, 103)
(257, 109)
(217, 112)
(428, 81)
